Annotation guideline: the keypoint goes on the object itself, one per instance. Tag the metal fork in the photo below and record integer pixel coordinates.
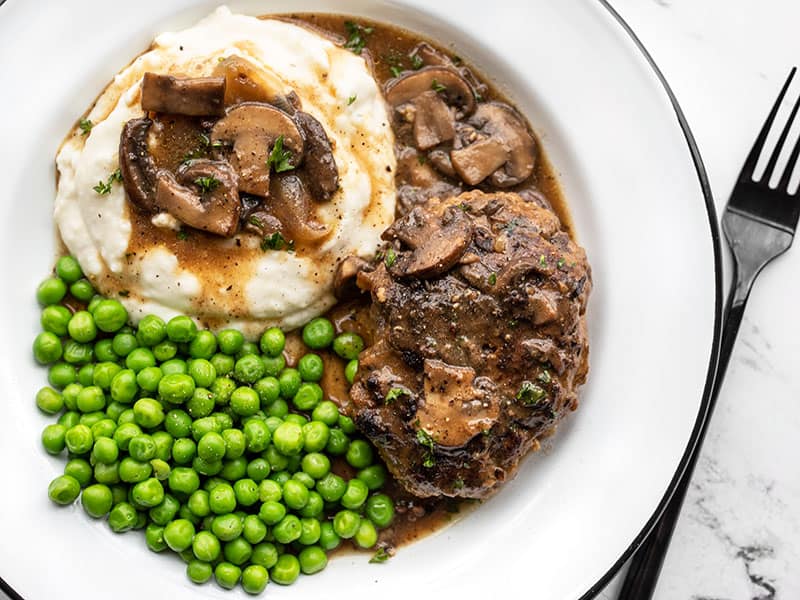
(759, 224)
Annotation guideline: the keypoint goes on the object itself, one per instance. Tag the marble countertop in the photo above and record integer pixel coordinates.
(739, 534)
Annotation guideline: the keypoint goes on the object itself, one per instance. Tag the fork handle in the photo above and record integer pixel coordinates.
(640, 582)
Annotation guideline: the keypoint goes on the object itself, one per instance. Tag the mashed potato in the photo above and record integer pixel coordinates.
(242, 286)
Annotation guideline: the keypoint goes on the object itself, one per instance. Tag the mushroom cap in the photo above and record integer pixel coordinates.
(244, 82)
(291, 203)
(216, 211)
(136, 164)
(252, 128)
(193, 96)
(454, 87)
(320, 165)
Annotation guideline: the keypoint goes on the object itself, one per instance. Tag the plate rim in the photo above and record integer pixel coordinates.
(696, 436)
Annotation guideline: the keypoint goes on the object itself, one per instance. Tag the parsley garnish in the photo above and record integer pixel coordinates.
(437, 87)
(381, 556)
(276, 241)
(458, 484)
(356, 36)
(543, 260)
(85, 125)
(560, 263)
(390, 257)
(424, 438)
(530, 394)
(255, 221)
(544, 376)
(183, 235)
(351, 99)
(104, 187)
(511, 225)
(207, 184)
(416, 62)
(422, 159)
(492, 278)
(394, 394)
(395, 70)
(279, 158)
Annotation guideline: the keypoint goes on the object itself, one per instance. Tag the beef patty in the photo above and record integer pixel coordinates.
(479, 303)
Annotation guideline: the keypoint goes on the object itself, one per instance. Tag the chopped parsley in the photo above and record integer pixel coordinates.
(511, 225)
(85, 126)
(394, 394)
(255, 221)
(104, 187)
(279, 158)
(351, 99)
(207, 184)
(425, 439)
(437, 87)
(356, 36)
(543, 260)
(492, 278)
(396, 71)
(561, 262)
(530, 394)
(381, 556)
(416, 62)
(544, 377)
(276, 241)
(458, 484)
(183, 235)
(422, 159)
(390, 257)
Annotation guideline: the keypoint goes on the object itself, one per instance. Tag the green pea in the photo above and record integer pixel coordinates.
(201, 404)
(204, 345)
(348, 345)
(264, 554)
(202, 426)
(107, 474)
(78, 439)
(295, 494)
(183, 451)
(82, 290)
(104, 351)
(346, 424)
(114, 410)
(124, 343)
(105, 450)
(249, 368)
(176, 388)
(227, 527)
(202, 372)
(279, 408)
(91, 399)
(268, 390)
(122, 517)
(311, 367)
(152, 330)
(96, 500)
(367, 535)
(238, 551)
(125, 433)
(271, 512)
(69, 419)
(47, 348)
(287, 530)
(246, 491)
(211, 446)
(222, 388)
(316, 436)
(148, 412)
(318, 333)
(222, 363)
(247, 348)
(373, 476)
(273, 365)
(165, 351)
(93, 302)
(310, 531)
(235, 443)
(206, 546)
(49, 401)
(163, 442)
(81, 327)
(258, 469)
(312, 560)
(303, 478)
(142, 448)
(198, 503)
(331, 487)
(254, 579)
(328, 539)
(350, 370)
(181, 329)
(316, 465)
(185, 513)
(161, 468)
(68, 269)
(297, 419)
(346, 523)
(224, 419)
(90, 419)
(257, 435)
(307, 397)
(281, 477)
(154, 537)
(253, 529)
(289, 381)
(149, 378)
(64, 489)
(183, 480)
(286, 569)
(245, 401)
(178, 534)
(359, 454)
(51, 291)
(104, 374)
(133, 471)
(355, 494)
(198, 571)
(273, 423)
(288, 438)
(230, 341)
(54, 319)
(272, 342)
(227, 575)
(80, 354)
(222, 499)
(80, 470)
(314, 507)
(140, 358)
(326, 412)
(110, 315)
(53, 438)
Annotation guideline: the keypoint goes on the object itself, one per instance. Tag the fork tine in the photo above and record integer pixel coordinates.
(773, 159)
(752, 158)
(783, 184)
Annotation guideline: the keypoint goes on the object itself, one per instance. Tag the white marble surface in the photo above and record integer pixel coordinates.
(739, 534)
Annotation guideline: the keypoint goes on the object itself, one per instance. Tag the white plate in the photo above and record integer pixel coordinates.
(610, 128)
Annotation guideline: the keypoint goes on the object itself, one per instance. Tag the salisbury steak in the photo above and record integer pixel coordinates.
(479, 303)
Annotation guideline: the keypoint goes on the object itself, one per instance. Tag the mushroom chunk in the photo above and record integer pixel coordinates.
(497, 145)
(437, 239)
(323, 176)
(248, 133)
(344, 280)
(203, 194)
(291, 204)
(136, 165)
(193, 96)
(454, 89)
(433, 121)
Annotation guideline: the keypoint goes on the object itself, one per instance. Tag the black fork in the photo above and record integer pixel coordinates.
(759, 224)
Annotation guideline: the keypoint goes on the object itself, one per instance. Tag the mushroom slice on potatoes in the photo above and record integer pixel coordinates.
(497, 145)
(192, 96)
(136, 164)
(247, 136)
(323, 175)
(203, 194)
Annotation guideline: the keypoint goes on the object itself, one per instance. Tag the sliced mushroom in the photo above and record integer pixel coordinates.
(447, 82)
(437, 241)
(344, 280)
(291, 204)
(499, 132)
(440, 159)
(454, 411)
(136, 164)
(323, 176)
(193, 96)
(261, 223)
(433, 121)
(203, 195)
(251, 129)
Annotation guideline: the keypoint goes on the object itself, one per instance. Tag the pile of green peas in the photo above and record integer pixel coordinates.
(210, 443)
